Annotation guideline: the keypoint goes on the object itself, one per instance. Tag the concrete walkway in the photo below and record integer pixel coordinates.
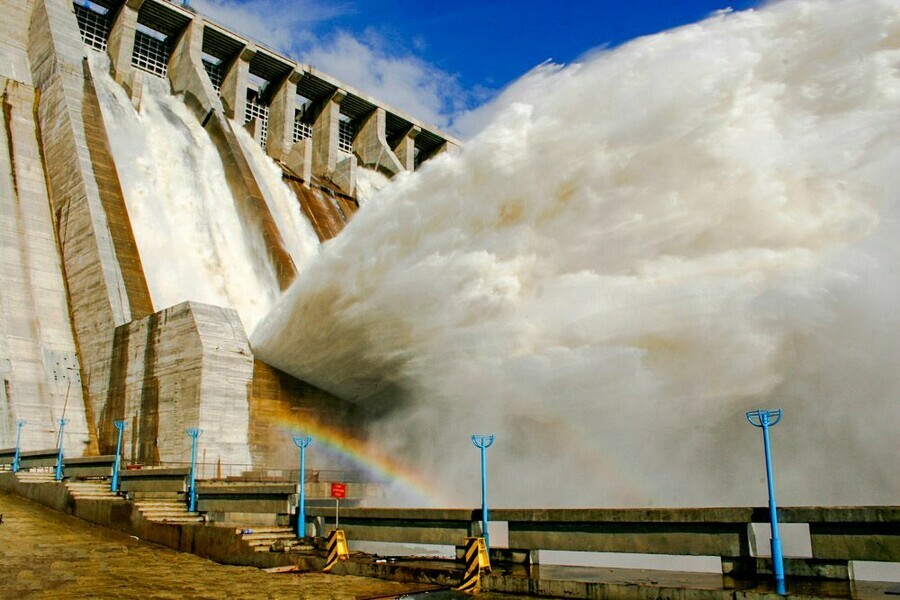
(47, 554)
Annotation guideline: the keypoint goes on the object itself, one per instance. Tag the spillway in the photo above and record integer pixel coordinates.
(164, 180)
(187, 227)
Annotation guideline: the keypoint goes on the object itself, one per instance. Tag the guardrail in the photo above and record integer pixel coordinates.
(215, 471)
(271, 498)
(89, 466)
(838, 534)
(850, 533)
(38, 458)
(7, 455)
(153, 480)
(210, 471)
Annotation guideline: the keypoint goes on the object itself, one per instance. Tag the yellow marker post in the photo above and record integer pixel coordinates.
(478, 561)
(336, 544)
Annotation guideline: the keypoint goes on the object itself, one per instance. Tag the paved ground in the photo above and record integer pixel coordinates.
(47, 554)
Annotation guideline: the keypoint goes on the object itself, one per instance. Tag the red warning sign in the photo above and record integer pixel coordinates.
(339, 490)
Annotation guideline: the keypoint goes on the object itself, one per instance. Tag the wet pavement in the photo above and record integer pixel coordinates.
(47, 554)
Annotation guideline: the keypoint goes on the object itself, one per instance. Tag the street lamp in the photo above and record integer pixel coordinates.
(19, 424)
(302, 442)
(192, 490)
(765, 419)
(114, 487)
(59, 456)
(483, 442)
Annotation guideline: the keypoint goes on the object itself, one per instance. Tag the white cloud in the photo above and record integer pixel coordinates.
(399, 79)
(280, 24)
(370, 63)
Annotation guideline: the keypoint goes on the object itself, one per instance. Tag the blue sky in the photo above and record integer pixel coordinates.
(488, 43)
(439, 60)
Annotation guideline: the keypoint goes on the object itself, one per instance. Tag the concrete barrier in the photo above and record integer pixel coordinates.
(838, 534)
(7, 455)
(870, 533)
(89, 466)
(409, 525)
(153, 480)
(240, 497)
(698, 532)
(38, 458)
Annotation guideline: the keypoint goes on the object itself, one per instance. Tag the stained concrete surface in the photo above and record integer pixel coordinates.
(46, 554)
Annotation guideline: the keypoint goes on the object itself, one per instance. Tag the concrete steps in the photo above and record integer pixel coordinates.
(91, 490)
(167, 510)
(35, 477)
(273, 539)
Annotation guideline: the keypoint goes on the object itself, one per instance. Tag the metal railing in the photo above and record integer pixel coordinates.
(215, 471)
(260, 112)
(345, 136)
(150, 54)
(216, 74)
(94, 26)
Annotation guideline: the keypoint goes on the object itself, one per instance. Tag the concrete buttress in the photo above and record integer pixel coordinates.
(39, 369)
(104, 279)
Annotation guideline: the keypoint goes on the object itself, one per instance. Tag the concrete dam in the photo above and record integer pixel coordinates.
(635, 251)
(92, 327)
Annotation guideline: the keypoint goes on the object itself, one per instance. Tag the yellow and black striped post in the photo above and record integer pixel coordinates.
(336, 544)
(477, 562)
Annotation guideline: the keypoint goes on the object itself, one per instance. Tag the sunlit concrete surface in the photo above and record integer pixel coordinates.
(45, 554)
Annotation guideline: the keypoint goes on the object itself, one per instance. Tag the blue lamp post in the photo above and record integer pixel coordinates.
(192, 488)
(483, 442)
(765, 419)
(302, 442)
(19, 424)
(59, 456)
(114, 487)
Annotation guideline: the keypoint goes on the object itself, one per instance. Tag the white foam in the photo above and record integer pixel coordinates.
(296, 231)
(633, 254)
(189, 235)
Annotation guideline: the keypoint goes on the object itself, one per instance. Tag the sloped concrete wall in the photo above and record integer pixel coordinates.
(14, 40)
(39, 368)
(100, 263)
(188, 77)
(328, 213)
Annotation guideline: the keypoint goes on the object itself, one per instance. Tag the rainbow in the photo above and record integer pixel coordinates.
(421, 491)
(367, 457)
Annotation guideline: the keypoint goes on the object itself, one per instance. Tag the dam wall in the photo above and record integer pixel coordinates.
(80, 336)
(39, 366)
(102, 269)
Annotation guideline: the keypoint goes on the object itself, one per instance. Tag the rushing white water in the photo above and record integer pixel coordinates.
(298, 235)
(631, 256)
(369, 182)
(189, 236)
